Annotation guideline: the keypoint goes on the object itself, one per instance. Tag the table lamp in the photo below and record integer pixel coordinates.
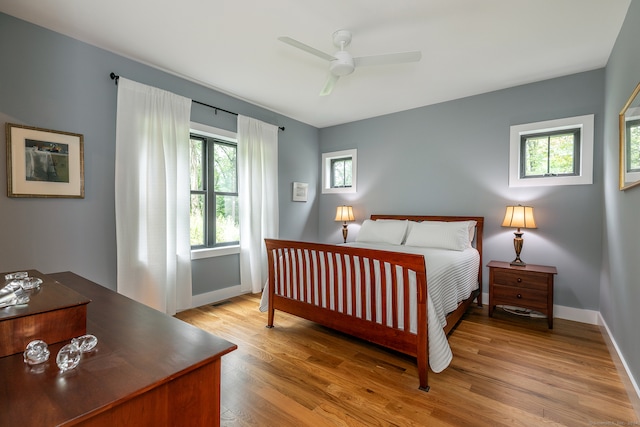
(344, 214)
(519, 217)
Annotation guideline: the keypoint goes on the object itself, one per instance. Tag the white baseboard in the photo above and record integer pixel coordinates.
(629, 381)
(215, 296)
(576, 314)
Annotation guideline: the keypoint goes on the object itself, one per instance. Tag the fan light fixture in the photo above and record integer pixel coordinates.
(519, 217)
(342, 63)
(344, 214)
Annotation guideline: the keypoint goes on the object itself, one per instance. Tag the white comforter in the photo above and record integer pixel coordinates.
(451, 277)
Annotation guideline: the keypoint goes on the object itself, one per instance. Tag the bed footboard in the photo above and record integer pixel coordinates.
(362, 292)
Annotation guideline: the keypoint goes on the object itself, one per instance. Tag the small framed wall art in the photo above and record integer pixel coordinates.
(300, 190)
(44, 162)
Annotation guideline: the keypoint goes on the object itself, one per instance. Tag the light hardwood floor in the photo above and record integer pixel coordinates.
(506, 371)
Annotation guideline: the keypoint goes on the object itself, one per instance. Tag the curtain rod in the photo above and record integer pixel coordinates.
(115, 77)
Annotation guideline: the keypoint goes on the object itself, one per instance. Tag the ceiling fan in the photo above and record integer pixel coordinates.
(342, 63)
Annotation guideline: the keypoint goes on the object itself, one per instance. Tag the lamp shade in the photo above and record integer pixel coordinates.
(519, 217)
(344, 213)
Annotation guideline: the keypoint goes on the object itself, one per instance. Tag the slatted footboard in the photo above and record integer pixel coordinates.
(362, 292)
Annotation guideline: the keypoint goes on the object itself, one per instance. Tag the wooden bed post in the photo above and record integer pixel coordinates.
(271, 283)
(422, 333)
(479, 234)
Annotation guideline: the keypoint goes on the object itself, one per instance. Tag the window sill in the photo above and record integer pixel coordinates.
(214, 252)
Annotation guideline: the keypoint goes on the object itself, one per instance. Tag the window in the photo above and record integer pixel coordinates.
(341, 176)
(214, 191)
(339, 171)
(550, 154)
(632, 156)
(554, 152)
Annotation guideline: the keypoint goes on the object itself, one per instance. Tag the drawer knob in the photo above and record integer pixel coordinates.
(518, 280)
(519, 295)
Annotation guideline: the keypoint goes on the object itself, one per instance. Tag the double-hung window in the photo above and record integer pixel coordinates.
(214, 191)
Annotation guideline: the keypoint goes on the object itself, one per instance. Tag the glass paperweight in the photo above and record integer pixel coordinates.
(31, 283)
(85, 343)
(68, 357)
(10, 297)
(16, 276)
(36, 352)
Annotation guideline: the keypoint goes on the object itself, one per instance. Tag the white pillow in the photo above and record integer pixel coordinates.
(471, 224)
(455, 235)
(391, 232)
(407, 229)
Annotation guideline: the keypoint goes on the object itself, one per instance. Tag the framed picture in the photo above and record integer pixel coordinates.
(300, 190)
(44, 163)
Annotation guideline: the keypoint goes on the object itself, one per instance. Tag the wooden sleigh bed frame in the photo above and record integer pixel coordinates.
(292, 263)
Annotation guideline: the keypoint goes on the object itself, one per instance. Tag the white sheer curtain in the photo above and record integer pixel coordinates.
(152, 194)
(258, 190)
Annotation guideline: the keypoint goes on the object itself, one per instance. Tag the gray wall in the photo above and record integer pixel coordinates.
(450, 158)
(453, 159)
(51, 81)
(620, 290)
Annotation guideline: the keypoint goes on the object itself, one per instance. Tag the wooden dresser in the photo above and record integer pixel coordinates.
(529, 286)
(147, 369)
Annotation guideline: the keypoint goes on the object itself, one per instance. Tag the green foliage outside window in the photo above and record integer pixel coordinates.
(198, 211)
(550, 154)
(341, 172)
(214, 188)
(633, 147)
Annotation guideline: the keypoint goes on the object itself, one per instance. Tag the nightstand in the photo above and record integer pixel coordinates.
(529, 286)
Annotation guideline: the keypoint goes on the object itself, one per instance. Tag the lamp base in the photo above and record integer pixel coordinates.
(517, 244)
(345, 232)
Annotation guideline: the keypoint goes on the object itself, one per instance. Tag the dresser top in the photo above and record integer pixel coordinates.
(529, 267)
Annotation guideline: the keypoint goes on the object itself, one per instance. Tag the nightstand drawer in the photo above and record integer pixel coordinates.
(521, 297)
(521, 279)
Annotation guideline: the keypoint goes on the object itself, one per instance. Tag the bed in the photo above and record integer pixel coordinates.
(404, 284)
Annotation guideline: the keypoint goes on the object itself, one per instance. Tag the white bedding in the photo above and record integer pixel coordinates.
(451, 277)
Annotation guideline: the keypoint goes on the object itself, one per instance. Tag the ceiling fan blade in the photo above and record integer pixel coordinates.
(306, 48)
(391, 58)
(328, 86)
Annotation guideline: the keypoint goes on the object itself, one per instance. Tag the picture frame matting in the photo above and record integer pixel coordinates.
(300, 191)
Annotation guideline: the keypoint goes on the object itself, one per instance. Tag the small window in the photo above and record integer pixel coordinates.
(550, 154)
(214, 191)
(555, 152)
(339, 171)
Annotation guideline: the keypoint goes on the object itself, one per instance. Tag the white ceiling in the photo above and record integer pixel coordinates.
(468, 46)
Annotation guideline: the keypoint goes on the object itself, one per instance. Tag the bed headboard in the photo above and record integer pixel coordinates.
(479, 227)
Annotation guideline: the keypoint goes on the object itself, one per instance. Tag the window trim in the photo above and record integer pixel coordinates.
(202, 253)
(326, 171)
(583, 123)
